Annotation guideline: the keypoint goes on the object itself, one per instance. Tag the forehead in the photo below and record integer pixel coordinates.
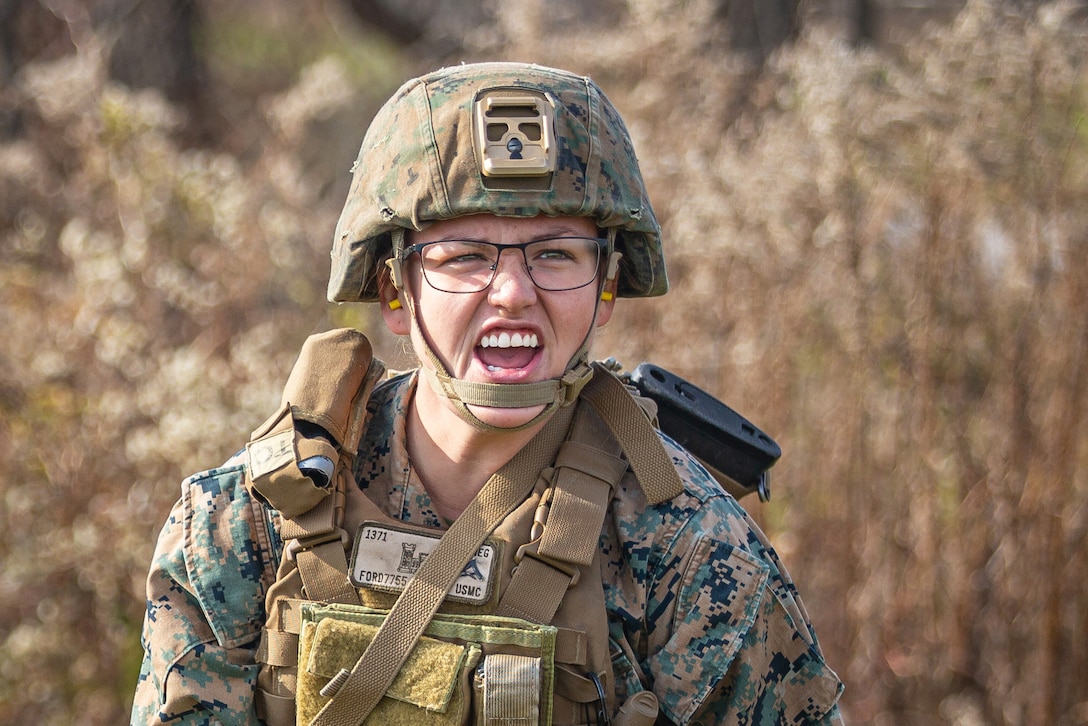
(488, 227)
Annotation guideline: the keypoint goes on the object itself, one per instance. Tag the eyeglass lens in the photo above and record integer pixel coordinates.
(561, 263)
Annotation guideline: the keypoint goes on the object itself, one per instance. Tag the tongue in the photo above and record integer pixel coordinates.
(506, 357)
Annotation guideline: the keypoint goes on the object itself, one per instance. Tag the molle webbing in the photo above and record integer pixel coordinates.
(571, 516)
(329, 387)
(379, 664)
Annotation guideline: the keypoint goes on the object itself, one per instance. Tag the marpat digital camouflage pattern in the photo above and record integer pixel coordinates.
(694, 593)
(418, 164)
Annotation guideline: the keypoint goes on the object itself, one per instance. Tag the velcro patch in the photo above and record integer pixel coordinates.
(385, 558)
(270, 453)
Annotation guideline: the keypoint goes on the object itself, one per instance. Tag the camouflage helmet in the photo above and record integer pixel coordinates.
(508, 139)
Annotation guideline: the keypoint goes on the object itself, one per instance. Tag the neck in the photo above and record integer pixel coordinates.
(452, 458)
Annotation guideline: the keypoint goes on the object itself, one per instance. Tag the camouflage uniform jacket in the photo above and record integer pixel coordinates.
(693, 590)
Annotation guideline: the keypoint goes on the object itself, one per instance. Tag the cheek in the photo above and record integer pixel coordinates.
(446, 319)
(573, 318)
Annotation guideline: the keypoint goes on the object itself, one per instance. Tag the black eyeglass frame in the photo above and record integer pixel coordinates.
(602, 253)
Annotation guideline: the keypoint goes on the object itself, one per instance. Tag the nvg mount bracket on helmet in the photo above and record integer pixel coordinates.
(514, 135)
(725, 442)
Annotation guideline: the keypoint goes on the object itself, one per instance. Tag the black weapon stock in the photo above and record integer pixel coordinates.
(725, 442)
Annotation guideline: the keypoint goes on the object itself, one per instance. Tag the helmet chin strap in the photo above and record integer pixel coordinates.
(551, 394)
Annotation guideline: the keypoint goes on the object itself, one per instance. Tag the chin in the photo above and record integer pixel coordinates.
(505, 418)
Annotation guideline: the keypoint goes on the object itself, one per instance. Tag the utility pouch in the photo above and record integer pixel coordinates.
(289, 471)
(501, 693)
(465, 669)
(292, 456)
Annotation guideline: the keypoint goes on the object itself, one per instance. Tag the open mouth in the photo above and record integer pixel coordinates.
(506, 350)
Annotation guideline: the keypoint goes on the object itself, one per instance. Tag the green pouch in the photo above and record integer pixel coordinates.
(436, 684)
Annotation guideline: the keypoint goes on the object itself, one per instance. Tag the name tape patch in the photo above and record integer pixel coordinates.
(386, 558)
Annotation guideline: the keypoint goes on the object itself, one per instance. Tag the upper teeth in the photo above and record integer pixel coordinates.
(506, 340)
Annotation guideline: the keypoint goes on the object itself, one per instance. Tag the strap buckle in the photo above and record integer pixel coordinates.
(531, 550)
(302, 544)
(574, 380)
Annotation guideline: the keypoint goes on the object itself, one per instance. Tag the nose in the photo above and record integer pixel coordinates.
(511, 287)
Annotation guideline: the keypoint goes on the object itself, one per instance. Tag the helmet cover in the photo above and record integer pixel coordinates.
(448, 144)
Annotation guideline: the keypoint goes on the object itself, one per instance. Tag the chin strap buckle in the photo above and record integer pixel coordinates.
(574, 380)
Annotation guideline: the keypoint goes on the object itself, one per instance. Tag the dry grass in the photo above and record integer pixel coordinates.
(881, 260)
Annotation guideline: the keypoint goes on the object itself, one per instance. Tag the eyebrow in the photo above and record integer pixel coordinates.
(563, 231)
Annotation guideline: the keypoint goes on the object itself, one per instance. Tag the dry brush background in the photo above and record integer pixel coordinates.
(878, 253)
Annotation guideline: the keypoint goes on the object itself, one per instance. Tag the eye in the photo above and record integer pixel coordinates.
(456, 253)
(553, 254)
(563, 251)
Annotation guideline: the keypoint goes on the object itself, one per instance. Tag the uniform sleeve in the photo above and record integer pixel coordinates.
(735, 639)
(729, 640)
(205, 603)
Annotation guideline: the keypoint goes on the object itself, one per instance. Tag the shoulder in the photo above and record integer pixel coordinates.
(711, 526)
(700, 545)
(718, 595)
(225, 482)
(229, 551)
(704, 502)
(212, 566)
(702, 509)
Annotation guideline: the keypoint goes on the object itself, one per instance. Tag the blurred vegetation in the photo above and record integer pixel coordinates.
(878, 253)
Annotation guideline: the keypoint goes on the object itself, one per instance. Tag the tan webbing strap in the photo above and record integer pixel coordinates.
(587, 469)
(571, 646)
(316, 543)
(383, 658)
(585, 479)
(276, 709)
(651, 463)
(536, 589)
(279, 643)
(278, 648)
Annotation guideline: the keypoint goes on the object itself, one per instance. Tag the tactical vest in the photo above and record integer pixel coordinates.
(442, 644)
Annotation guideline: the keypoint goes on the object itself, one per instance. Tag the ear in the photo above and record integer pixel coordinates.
(394, 312)
(608, 292)
(608, 301)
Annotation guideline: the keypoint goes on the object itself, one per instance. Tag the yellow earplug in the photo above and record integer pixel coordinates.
(394, 304)
(606, 296)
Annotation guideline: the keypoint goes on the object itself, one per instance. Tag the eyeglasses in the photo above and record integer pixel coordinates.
(555, 264)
